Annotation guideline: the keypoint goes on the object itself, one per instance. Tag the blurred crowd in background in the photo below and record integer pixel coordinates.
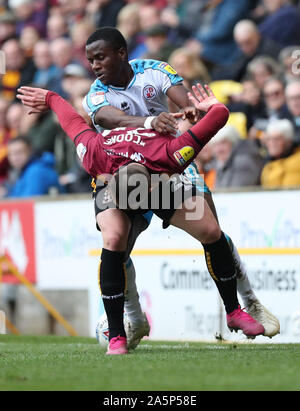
(247, 50)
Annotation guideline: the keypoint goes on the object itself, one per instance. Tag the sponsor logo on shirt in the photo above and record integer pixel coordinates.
(81, 150)
(97, 98)
(149, 92)
(183, 155)
(167, 68)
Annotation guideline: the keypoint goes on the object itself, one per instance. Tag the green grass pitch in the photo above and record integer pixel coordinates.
(75, 363)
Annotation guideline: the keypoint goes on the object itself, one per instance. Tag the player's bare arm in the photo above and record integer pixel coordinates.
(110, 117)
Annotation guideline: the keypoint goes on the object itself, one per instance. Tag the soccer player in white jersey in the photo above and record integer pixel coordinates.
(134, 94)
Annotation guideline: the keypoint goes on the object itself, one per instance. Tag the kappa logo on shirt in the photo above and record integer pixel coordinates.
(184, 154)
(125, 106)
(97, 98)
(149, 92)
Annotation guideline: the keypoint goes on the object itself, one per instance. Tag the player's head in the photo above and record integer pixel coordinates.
(183, 125)
(184, 122)
(106, 50)
(130, 186)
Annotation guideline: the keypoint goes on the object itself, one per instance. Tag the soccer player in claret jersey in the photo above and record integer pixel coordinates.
(133, 94)
(158, 153)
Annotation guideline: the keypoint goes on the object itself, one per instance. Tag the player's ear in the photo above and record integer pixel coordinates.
(123, 54)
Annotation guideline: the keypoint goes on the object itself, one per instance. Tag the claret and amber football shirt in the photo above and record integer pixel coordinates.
(105, 153)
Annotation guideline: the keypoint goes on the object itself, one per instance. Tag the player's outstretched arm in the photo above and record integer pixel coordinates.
(40, 100)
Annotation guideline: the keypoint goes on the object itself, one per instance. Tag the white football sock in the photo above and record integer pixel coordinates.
(243, 283)
(132, 304)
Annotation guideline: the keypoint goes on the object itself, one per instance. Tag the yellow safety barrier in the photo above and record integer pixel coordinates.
(47, 305)
(192, 251)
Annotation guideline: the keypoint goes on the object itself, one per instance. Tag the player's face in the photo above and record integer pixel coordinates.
(107, 64)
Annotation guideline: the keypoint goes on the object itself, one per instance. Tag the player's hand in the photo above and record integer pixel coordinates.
(192, 114)
(165, 123)
(33, 97)
(202, 99)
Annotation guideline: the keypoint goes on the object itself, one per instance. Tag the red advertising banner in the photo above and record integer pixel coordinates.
(17, 239)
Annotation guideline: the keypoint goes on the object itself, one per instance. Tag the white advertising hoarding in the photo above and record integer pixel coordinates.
(175, 288)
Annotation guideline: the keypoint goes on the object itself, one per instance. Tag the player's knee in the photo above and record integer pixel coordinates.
(115, 241)
(211, 233)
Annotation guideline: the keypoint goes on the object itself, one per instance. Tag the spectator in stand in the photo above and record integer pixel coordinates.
(29, 175)
(261, 68)
(7, 26)
(149, 16)
(238, 162)
(61, 50)
(46, 70)
(75, 179)
(29, 12)
(283, 163)
(104, 12)
(282, 22)
(215, 34)
(250, 102)
(40, 130)
(128, 23)
(75, 81)
(14, 115)
(158, 46)
(275, 106)
(73, 11)
(80, 32)
(5, 136)
(57, 26)
(190, 67)
(251, 45)
(20, 69)
(28, 39)
(292, 93)
(183, 18)
(274, 96)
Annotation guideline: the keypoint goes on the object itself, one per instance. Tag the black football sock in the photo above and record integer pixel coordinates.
(112, 281)
(220, 265)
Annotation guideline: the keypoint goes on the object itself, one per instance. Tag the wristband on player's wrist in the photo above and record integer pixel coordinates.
(148, 122)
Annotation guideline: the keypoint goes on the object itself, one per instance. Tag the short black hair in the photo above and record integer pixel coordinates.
(110, 35)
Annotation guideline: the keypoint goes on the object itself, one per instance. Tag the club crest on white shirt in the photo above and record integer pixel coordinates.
(149, 92)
